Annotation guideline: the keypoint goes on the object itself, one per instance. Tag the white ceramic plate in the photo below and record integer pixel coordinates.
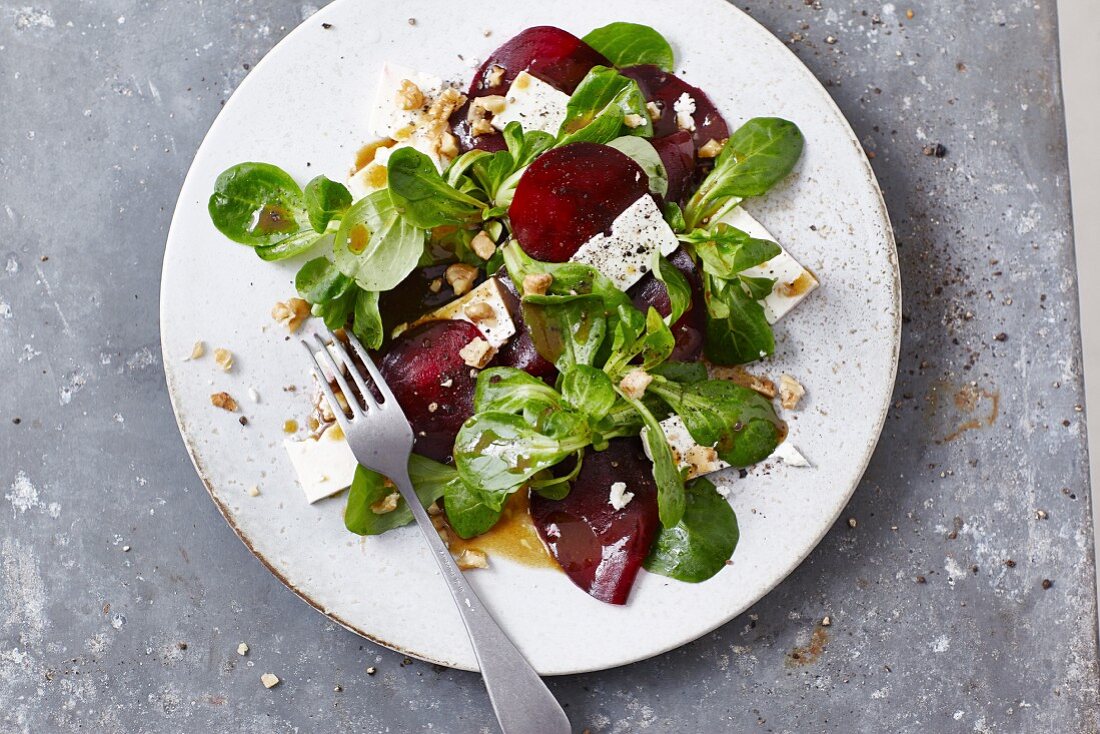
(305, 108)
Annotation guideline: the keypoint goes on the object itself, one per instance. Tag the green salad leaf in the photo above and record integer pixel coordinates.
(320, 281)
(470, 511)
(325, 200)
(367, 320)
(632, 44)
(368, 488)
(257, 204)
(645, 155)
(291, 246)
(607, 126)
(676, 283)
(423, 198)
(498, 452)
(756, 157)
(738, 331)
(670, 482)
(511, 390)
(697, 547)
(375, 245)
(726, 250)
(601, 89)
(589, 390)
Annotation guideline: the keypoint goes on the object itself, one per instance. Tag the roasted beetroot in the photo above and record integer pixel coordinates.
(520, 350)
(570, 194)
(432, 383)
(690, 328)
(553, 55)
(665, 89)
(413, 297)
(677, 152)
(601, 548)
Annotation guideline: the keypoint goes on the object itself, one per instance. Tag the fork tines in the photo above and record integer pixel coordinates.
(331, 350)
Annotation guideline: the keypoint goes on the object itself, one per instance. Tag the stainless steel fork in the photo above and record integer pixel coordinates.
(382, 439)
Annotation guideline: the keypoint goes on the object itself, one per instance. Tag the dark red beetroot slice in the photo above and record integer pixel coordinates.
(432, 383)
(551, 54)
(664, 89)
(677, 152)
(413, 297)
(570, 194)
(520, 350)
(691, 327)
(601, 548)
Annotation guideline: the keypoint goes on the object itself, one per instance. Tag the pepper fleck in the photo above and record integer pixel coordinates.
(326, 26)
(243, 421)
(1047, 583)
(1010, 563)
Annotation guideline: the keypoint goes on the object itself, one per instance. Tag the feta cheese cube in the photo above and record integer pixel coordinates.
(792, 281)
(628, 252)
(619, 497)
(389, 119)
(324, 465)
(497, 329)
(534, 104)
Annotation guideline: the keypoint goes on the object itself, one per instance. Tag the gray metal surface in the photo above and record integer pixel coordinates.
(124, 595)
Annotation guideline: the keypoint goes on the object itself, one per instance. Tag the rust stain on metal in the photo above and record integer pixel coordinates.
(809, 654)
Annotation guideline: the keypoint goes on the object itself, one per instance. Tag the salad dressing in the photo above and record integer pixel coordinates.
(514, 537)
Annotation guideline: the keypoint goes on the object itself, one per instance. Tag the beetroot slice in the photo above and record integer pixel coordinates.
(553, 55)
(601, 548)
(432, 383)
(413, 297)
(569, 195)
(690, 328)
(677, 152)
(520, 350)
(664, 89)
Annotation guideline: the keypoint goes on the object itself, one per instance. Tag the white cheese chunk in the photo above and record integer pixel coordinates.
(388, 119)
(792, 281)
(497, 330)
(619, 497)
(324, 465)
(628, 252)
(703, 460)
(684, 107)
(534, 104)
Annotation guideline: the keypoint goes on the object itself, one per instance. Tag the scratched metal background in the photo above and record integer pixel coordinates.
(102, 105)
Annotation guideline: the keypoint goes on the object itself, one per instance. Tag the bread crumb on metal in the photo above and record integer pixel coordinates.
(270, 680)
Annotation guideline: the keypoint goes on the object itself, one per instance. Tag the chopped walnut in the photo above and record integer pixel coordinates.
(470, 558)
(495, 75)
(432, 407)
(434, 509)
(386, 504)
(224, 401)
(197, 351)
(409, 96)
(633, 121)
(790, 391)
(292, 313)
(483, 245)
(223, 358)
(762, 385)
(494, 103)
(635, 383)
(477, 353)
(711, 149)
(254, 491)
(461, 277)
(436, 285)
(537, 283)
(270, 680)
(479, 311)
(481, 127)
(653, 110)
(448, 145)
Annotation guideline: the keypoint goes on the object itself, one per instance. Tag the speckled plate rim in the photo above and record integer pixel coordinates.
(832, 512)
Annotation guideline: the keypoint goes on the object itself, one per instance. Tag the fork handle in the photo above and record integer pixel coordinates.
(522, 702)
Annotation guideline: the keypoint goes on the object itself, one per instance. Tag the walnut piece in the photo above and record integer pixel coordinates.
(386, 504)
(790, 391)
(477, 353)
(634, 383)
(242, 649)
(633, 121)
(495, 76)
(481, 127)
(537, 283)
(409, 96)
(470, 558)
(653, 110)
(483, 245)
(711, 149)
(436, 285)
(479, 311)
(448, 145)
(270, 680)
(461, 277)
(223, 358)
(197, 351)
(224, 401)
(294, 312)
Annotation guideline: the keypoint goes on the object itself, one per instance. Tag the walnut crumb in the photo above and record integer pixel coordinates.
(436, 285)
(477, 353)
(461, 277)
(448, 145)
(242, 649)
(537, 283)
(495, 75)
(635, 383)
(633, 121)
(481, 127)
(224, 401)
(653, 110)
(254, 491)
(197, 351)
(470, 558)
(386, 504)
(483, 245)
(432, 407)
(270, 680)
(409, 96)
(291, 313)
(223, 358)
(790, 391)
(479, 311)
(826, 621)
(711, 149)
(494, 103)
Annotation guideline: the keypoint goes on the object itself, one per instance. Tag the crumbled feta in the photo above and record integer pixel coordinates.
(628, 252)
(324, 465)
(790, 456)
(619, 497)
(793, 282)
(534, 104)
(684, 107)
